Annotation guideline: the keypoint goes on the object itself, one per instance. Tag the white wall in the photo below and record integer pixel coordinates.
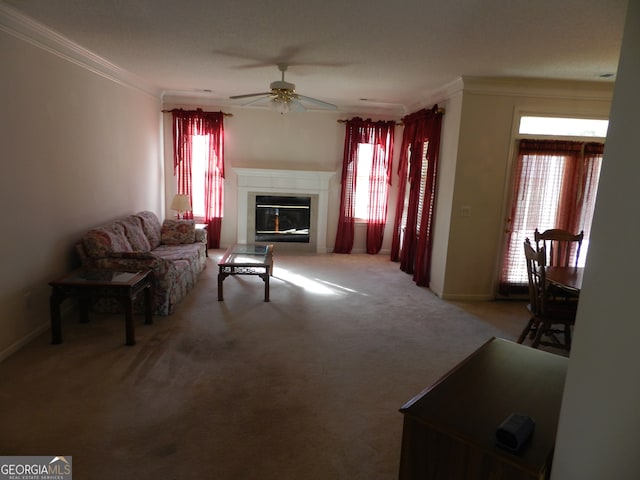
(600, 416)
(476, 174)
(261, 138)
(78, 150)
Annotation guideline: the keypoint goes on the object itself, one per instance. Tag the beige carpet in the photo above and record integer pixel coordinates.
(307, 386)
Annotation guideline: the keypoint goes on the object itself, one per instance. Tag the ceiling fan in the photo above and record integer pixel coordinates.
(283, 97)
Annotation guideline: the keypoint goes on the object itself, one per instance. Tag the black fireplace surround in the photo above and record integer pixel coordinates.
(282, 218)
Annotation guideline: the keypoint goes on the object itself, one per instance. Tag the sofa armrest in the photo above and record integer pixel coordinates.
(201, 235)
(82, 254)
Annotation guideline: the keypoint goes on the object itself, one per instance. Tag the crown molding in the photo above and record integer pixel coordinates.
(539, 87)
(439, 95)
(518, 87)
(20, 26)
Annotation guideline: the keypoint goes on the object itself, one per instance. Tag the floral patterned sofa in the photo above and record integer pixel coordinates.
(175, 251)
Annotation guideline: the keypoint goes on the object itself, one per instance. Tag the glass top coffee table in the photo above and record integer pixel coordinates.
(242, 259)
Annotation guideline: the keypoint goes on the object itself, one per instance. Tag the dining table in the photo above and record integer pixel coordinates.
(569, 278)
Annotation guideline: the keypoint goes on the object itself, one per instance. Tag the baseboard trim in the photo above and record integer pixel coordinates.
(13, 348)
(68, 308)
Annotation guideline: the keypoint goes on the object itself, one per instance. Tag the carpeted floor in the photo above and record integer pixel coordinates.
(307, 386)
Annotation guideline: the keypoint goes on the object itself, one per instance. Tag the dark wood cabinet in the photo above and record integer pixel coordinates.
(449, 428)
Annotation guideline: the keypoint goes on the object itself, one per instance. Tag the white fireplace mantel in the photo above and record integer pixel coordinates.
(283, 182)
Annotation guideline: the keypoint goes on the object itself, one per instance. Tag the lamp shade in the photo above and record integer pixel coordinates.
(181, 203)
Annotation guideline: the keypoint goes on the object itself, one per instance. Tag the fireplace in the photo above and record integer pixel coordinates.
(281, 218)
(253, 184)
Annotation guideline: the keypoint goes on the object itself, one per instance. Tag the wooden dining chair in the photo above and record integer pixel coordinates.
(549, 318)
(561, 245)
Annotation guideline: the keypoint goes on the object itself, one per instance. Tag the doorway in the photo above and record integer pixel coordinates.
(554, 185)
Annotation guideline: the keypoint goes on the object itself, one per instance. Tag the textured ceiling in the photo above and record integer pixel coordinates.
(391, 53)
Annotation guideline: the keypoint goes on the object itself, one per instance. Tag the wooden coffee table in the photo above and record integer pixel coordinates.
(246, 260)
(124, 286)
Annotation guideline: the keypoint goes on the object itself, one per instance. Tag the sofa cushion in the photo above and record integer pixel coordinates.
(151, 227)
(101, 241)
(176, 232)
(135, 234)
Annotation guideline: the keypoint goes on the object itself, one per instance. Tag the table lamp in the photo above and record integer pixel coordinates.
(181, 203)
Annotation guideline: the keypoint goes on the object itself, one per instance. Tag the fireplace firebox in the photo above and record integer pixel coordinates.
(281, 218)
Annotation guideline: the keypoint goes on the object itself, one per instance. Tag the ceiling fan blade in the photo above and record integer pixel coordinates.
(320, 103)
(258, 100)
(250, 95)
(296, 106)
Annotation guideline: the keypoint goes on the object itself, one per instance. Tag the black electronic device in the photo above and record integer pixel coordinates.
(514, 432)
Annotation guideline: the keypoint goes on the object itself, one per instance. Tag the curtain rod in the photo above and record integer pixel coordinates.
(345, 121)
(438, 110)
(198, 109)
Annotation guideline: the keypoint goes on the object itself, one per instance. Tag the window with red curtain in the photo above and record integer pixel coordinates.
(555, 186)
(205, 129)
(379, 135)
(417, 169)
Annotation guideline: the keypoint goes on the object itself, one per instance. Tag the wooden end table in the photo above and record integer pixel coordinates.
(124, 286)
(246, 260)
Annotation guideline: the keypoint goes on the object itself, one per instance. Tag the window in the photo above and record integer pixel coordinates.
(561, 126)
(198, 163)
(412, 244)
(422, 191)
(555, 187)
(364, 180)
(365, 159)
(423, 185)
(198, 169)
(366, 172)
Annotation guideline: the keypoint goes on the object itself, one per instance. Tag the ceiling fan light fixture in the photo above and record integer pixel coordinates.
(283, 97)
(280, 106)
(282, 85)
(285, 100)
(283, 94)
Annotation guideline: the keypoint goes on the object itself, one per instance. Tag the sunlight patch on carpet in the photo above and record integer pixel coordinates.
(308, 284)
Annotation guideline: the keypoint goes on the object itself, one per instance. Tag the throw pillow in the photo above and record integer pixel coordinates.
(175, 232)
(133, 230)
